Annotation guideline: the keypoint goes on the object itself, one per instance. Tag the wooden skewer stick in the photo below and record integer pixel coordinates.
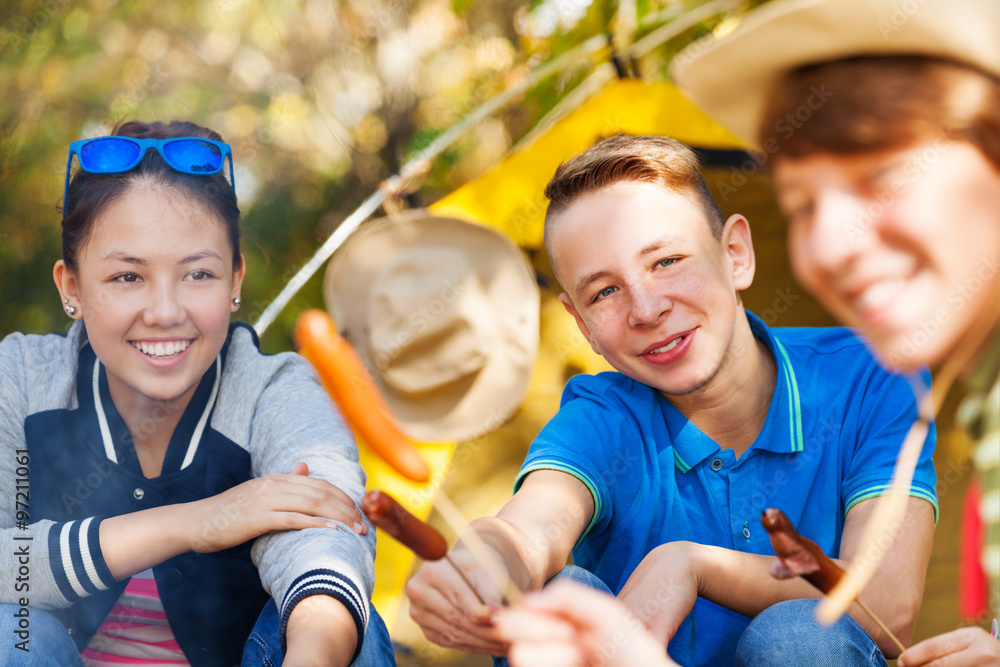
(465, 579)
(389, 516)
(886, 519)
(879, 623)
(888, 515)
(480, 551)
(803, 556)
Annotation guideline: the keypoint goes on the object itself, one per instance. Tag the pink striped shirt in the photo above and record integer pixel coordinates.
(136, 631)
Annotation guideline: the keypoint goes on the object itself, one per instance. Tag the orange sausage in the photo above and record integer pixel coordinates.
(352, 388)
(387, 514)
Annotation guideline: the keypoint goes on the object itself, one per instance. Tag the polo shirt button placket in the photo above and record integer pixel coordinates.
(716, 465)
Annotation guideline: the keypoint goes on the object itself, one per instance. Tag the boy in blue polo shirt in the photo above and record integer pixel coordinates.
(654, 477)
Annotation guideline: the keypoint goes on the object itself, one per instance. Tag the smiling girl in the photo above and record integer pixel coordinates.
(154, 443)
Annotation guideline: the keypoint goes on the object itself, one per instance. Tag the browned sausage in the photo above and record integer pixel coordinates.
(800, 554)
(386, 513)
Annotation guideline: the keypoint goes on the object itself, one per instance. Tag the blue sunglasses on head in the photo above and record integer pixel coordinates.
(116, 155)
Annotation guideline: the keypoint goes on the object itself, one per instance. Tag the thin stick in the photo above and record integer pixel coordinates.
(465, 579)
(480, 551)
(415, 165)
(891, 507)
(879, 623)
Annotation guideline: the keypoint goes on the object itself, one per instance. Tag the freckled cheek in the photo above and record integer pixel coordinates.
(607, 325)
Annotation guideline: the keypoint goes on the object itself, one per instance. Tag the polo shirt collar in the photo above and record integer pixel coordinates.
(782, 431)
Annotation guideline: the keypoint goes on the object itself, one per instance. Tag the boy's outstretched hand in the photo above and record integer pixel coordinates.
(447, 610)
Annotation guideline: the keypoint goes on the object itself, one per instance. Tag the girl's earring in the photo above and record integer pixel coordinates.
(236, 302)
(70, 310)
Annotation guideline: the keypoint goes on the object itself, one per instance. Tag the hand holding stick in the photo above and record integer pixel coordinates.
(494, 568)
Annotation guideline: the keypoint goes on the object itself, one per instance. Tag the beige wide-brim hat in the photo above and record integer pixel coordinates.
(444, 313)
(731, 77)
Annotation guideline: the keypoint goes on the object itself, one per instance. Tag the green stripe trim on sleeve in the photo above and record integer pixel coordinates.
(561, 466)
(877, 491)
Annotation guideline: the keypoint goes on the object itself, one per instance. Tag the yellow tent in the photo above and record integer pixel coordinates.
(510, 197)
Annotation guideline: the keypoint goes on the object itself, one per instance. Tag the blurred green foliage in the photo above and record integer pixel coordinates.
(320, 99)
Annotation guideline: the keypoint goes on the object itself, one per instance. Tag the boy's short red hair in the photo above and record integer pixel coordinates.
(623, 158)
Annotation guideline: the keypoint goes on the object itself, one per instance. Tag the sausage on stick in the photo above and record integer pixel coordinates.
(347, 379)
(386, 513)
(422, 539)
(800, 555)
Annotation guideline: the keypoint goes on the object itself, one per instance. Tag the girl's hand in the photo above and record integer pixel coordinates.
(133, 542)
(567, 624)
(965, 647)
(273, 502)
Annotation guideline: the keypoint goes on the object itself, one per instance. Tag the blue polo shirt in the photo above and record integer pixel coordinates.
(834, 426)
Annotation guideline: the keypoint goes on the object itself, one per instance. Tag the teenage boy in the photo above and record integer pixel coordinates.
(654, 477)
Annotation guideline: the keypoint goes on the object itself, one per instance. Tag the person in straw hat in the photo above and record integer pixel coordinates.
(880, 123)
(654, 477)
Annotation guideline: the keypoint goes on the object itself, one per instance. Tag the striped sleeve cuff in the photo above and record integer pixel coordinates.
(870, 492)
(334, 584)
(76, 560)
(562, 466)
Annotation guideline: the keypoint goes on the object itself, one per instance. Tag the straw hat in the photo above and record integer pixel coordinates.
(731, 77)
(444, 313)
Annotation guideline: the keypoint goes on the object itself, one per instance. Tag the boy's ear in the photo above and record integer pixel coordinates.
(571, 309)
(739, 248)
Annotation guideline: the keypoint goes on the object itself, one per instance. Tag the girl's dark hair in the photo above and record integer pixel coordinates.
(89, 195)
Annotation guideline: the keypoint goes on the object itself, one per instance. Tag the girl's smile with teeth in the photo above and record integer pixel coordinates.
(161, 349)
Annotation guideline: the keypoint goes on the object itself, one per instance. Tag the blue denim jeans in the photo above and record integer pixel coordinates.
(263, 647)
(783, 634)
(49, 644)
(787, 633)
(41, 633)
